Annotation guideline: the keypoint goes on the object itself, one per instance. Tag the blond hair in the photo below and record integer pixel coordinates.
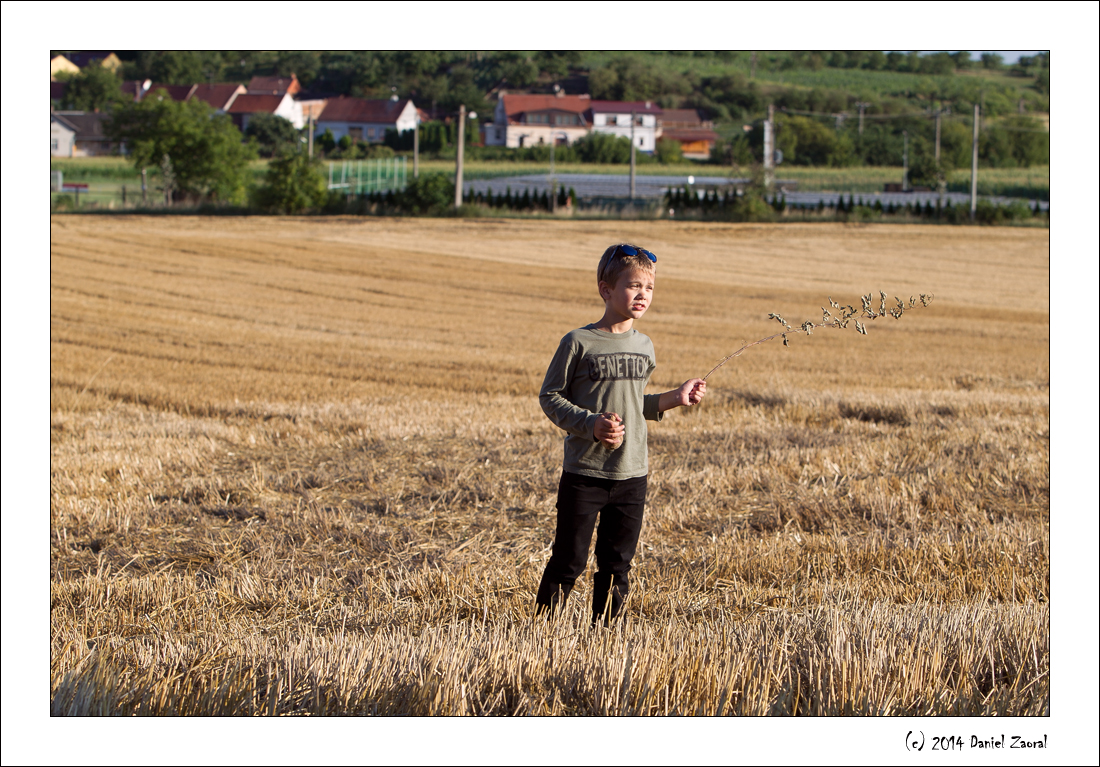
(610, 267)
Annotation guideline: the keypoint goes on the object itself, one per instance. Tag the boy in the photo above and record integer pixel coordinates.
(594, 391)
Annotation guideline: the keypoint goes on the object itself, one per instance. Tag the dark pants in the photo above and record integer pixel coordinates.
(618, 503)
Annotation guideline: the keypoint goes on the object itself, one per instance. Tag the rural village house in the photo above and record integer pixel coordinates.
(220, 96)
(79, 134)
(524, 119)
(366, 120)
(247, 104)
(59, 64)
(613, 117)
(274, 86)
(106, 59)
(695, 135)
(140, 89)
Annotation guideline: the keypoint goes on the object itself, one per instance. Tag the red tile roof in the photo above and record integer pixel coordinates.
(355, 110)
(689, 134)
(274, 86)
(219, 95)
(518, 103)
(175, 92)
(247, 104)
(88, 126)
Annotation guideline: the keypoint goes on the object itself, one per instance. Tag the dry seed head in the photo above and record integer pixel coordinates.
(829, 321)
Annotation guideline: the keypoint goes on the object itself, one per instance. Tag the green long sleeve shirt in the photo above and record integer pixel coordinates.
(596, 372)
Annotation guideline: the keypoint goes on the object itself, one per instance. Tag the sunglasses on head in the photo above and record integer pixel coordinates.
(630, 250)
(627, 250)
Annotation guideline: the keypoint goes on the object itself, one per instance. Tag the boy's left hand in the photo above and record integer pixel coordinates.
(691, 392)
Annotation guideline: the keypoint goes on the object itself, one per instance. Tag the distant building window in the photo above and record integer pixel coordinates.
(54, 145)
(370, 132)
(356, 134)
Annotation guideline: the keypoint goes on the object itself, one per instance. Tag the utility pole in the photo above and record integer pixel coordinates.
(633, 119)
(416, 146)
(458, 154)
(769, 149)
(974, 168)
(905, 161)
(862, 105)
(553, 184)
(938, 113)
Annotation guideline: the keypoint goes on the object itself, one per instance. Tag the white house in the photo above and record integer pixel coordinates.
(613, 117)
(246, 104)
(79, 134)
(524, 119)
(366, 120)
(62, 137)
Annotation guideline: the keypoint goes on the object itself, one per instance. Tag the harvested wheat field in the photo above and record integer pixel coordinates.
(298, 466)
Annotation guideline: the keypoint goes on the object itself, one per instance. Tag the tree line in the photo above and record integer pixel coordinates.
(725, 84)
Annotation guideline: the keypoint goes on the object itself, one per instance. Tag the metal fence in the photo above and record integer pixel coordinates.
(366, 176)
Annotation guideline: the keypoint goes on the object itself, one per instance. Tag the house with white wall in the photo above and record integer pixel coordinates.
(366, 120)
(79, 134)
(528, 119)
(614, 118)
(62, 136)
(246, 104)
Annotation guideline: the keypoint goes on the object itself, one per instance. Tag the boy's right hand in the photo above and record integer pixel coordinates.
(609, 430)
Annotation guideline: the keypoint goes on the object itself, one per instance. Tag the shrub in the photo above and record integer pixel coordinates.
(293, 184)
(669, 152)
(431, 193)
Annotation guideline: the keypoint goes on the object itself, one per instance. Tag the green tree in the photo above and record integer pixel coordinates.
(302, 64)
(806, 141)
(271, 133)
(557, 63)
(293, 184)
(992, 61)
(92, 89)
(205, 150)
(431, 193)
(669, 152)
(177, 67)
(516, 69)
(602, 148)
(326, 142)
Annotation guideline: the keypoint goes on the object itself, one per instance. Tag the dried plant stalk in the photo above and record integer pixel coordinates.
(847, 315)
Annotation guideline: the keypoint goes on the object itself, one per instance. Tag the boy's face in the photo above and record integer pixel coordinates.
(631, 295)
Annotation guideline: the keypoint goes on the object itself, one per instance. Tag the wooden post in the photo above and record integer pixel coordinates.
(553, 184)
(769, 149)
(633, 119)
(974, 168)
(144, 200)
(416, 146)
(938, 113)
(458, 154)
(905, 161)
(311, 133)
